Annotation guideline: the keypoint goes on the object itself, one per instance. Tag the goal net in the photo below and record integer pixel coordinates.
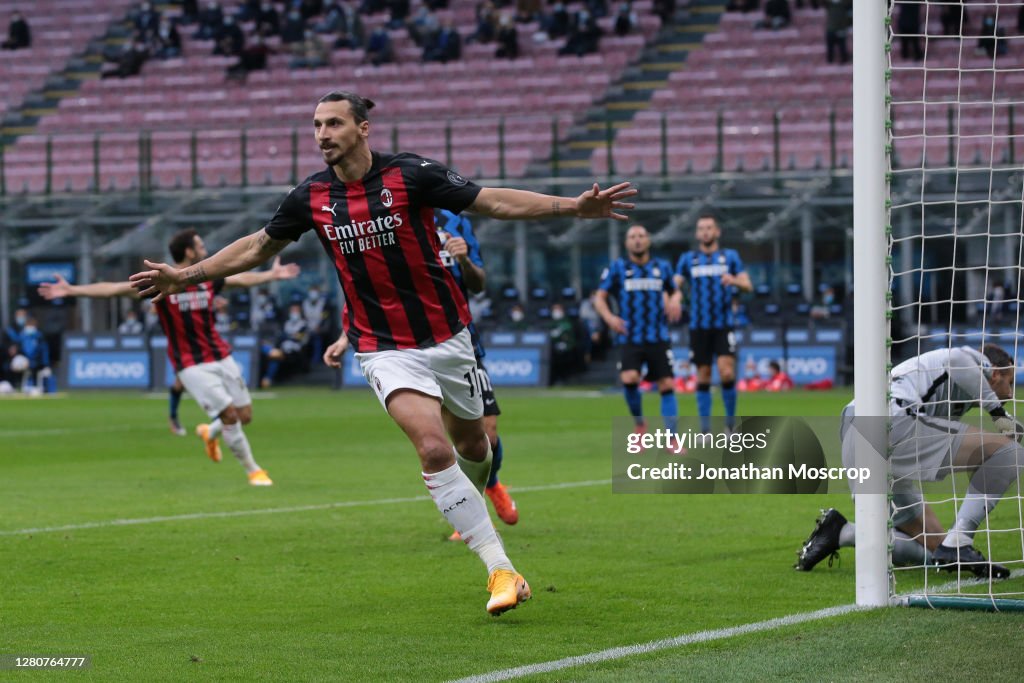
(955, 96)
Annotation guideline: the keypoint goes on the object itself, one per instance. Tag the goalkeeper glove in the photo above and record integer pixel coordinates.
(1010, 427)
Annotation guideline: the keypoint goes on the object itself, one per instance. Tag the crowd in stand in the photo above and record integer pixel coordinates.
(956, 21)
(309, 30)
(19, 33)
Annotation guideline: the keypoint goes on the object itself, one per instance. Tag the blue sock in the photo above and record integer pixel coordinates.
(704, 406)
(496, 457)
(272, 366)
(635, 401)
(729, 400)
(669, 410)
(175, 400)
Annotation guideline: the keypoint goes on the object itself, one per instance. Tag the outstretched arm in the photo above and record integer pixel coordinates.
(98, 290)
(505, 203)
(241, 255)
(253, 279)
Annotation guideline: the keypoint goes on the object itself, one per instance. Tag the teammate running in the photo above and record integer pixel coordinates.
(199, 355)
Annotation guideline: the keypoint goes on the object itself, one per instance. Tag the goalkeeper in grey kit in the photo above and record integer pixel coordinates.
(928, 442)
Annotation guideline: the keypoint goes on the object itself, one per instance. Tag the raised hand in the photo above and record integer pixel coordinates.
(159, 281)
(55, 290)
(598, 203)
(284, 272)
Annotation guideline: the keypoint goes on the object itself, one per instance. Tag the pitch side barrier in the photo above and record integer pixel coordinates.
(807, 354)
(938, 337)
(111, 361)
(514, 359)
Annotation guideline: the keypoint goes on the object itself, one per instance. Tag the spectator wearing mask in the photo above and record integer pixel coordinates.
(776, 15)
(378, 48)
(583, 36)
(131, 324)
(167, 42)
(625, 19)
(508, 38)
(350, 34)
(315, 312)
(289, 353)
(486, 23)
(268, 21)
(231, 40)
(146, 21)
(557, 23)
(252, 58)
(19, 35)
(34, 347)
(130, 62)
(445, 46)
(294, 28)
(564, 345)
(837, 21)
(992, 41)
(211, 22)
(517, 318)
(311, 53)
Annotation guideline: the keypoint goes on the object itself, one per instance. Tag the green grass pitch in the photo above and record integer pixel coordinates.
(123, 542)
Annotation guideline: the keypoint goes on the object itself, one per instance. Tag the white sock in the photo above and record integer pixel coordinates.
(215, 428)
(236, 440)
(848, 535)
(988, 484)
(972, 512)
(463, 507)
(478, 472)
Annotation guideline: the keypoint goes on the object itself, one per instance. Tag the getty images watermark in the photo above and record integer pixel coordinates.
(759, 455)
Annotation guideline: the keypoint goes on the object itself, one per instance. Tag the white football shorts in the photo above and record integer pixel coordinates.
(922, 449)
(447, 371)
(216, 385)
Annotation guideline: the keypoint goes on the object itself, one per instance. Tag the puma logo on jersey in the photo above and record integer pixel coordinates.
(330, 209)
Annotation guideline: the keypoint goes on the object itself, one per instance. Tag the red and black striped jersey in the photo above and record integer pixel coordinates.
(187, 319)
(379, 232)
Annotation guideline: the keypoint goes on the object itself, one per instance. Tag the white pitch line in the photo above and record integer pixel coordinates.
(656, 645)
(274, 511)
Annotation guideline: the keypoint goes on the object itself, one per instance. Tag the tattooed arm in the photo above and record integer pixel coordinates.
(504, 203)
(239, 256)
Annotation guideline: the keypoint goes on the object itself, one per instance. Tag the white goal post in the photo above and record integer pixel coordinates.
(938, 246)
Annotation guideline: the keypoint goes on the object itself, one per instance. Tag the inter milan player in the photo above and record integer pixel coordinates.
(648, 300)
(406, 317)
(199, 355)
(713, 276)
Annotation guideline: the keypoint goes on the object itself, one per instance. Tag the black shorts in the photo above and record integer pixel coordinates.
(487, 393)
(705, 344)
(657, 356)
